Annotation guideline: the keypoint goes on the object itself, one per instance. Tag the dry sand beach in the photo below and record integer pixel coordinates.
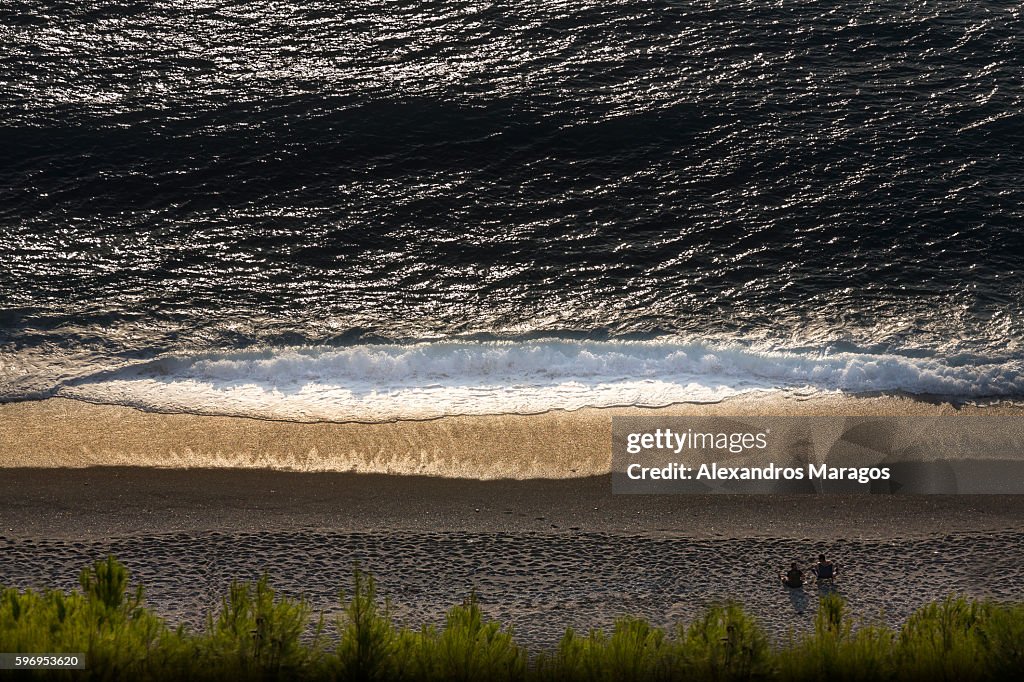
(211, 499)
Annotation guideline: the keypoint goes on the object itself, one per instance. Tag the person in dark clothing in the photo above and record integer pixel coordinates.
(793, 578)
(825, 571)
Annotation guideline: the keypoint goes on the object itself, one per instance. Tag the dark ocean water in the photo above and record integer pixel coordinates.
(741, 183)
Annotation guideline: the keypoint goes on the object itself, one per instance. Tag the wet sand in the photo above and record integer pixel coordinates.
(68, 433)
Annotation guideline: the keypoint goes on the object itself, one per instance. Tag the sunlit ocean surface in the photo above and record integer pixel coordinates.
(240, 205)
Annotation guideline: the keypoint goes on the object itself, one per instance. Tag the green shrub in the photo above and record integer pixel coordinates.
(835, 651)
(257, 636)
(468, 648)
(576, 659)
(1001, 633)
(634, 651)
(105, 621)
(368, 645)
(938, 642)
(726, 644)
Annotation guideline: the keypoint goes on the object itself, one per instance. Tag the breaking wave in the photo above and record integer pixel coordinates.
(434, 379)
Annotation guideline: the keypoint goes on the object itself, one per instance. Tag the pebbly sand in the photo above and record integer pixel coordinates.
(542, 554)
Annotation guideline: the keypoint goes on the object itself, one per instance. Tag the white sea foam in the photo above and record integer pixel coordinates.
(426, 380)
